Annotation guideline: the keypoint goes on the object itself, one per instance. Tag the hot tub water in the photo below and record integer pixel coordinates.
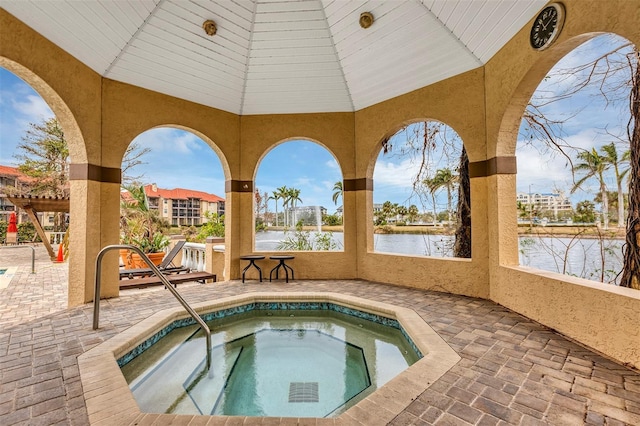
(294, 363)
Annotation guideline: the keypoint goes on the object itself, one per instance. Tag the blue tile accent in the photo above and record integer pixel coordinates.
(268, 306)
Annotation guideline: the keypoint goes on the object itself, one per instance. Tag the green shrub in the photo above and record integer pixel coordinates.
(214, 227)
(189, 232)
(27, 232)
(303, 241)
(332, 220)
(260, 225)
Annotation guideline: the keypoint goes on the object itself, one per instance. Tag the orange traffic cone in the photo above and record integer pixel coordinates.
(60, 257)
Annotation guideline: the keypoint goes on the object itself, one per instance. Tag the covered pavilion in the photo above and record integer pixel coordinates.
(276, 71)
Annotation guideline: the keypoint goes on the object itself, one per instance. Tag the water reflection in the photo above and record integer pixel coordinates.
(590, 258)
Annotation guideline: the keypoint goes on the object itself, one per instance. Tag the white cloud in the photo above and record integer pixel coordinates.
(19, 107)
(399, 175)
(33, 108)
(332, 165)
(327, 184)
(185, 179)
(170, 140)
(302, 181)
(544, 173)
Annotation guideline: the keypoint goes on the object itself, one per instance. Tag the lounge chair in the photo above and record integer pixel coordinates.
(175, 279)
(166, 266)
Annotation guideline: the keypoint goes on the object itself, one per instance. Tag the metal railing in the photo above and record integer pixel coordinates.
(161, 276)
(33, 255)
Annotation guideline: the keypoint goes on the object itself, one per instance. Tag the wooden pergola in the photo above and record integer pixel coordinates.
(33, 204)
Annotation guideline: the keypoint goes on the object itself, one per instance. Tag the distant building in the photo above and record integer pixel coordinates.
(306, 210)
(11, 177)
(183, 207)
(554, 202)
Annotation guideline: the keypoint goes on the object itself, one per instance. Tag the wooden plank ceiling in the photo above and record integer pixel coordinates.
(278, 56)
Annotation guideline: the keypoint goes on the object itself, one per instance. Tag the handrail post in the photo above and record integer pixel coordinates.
(160, 275)
(33, 255)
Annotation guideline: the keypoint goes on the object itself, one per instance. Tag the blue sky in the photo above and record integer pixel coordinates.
(312, 169)
(589, 118)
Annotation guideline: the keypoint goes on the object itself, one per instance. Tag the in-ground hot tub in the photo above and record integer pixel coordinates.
(284, 359)
(108, 394)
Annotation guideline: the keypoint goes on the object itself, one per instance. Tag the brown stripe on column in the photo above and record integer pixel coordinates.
(238, 186)
(95, 173)
(493, 166)
(362, 184)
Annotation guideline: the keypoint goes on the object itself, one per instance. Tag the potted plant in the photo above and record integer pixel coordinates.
(153, 247)
(142, 227)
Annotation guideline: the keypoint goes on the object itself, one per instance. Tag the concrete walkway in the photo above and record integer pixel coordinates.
(513, 370)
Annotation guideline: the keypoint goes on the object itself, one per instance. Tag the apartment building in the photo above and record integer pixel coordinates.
(183, 207)
(555, 202)
(10, 177)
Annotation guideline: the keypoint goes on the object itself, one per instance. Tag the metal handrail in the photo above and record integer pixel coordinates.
(33, 256)
(165, 281)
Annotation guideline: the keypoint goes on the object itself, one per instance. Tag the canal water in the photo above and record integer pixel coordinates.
(594, 259)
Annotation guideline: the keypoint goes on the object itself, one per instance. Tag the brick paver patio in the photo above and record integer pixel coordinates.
(513, 370)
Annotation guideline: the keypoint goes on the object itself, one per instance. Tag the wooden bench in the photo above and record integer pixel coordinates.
(174, 279)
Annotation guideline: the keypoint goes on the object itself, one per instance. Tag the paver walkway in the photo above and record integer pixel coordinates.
(30, 295)
(513, 370)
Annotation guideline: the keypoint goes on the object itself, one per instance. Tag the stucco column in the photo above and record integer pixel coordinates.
(480, 244)
(494, 225)
(358, 220)
(95, 202)
(239, 227)
(502, 225)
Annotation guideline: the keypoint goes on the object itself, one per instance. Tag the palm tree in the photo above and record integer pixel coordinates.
(445, 178)
(388, 210)
(282, 193)
(402, 212)
(337, 191)
(611, 157)
(288, 214)
(433, 187)
(275, 196)
(594, 165)
(412, 213)
(293, 198)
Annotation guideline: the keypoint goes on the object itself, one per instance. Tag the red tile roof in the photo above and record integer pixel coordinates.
(13, 171)
(126, 196)
(181, 194)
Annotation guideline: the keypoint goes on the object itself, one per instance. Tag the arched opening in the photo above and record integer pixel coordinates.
(297, 202)
(416, 202)
(23, 123)
(572, 153)
(172, 193)
(39, 140)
